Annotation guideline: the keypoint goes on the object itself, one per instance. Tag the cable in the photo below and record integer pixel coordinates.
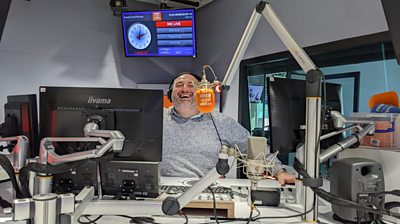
(90, 220)
(252, 200)
(268, 217)
(8, 167)
(251, 214)
(285, 217)
(258, 213)
(182, 213)
(139, 219)
(216, 129)
(214, 205)
(209, 67)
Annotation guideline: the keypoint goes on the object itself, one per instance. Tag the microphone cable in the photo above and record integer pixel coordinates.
(216, 129)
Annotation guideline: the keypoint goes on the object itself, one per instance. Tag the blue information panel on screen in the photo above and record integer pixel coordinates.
(159, 33)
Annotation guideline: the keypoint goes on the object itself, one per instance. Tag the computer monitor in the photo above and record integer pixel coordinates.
(137, 113)
(161, 33)
(287, 106)
(21, 119)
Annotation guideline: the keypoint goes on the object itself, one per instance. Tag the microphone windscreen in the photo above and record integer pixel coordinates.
(205, 100)
(389, 98)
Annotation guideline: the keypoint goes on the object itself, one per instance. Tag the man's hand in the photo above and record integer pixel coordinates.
(285, 178)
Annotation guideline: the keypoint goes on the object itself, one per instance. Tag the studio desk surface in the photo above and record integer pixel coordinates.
(232, 204)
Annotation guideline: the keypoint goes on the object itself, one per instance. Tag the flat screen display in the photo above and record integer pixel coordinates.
(169, 33)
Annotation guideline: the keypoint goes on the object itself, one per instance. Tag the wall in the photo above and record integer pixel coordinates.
(61, 43)
(375, 77)
(79, 43)
(310, 22)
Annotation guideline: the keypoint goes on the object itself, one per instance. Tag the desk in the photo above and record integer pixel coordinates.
(242, 210)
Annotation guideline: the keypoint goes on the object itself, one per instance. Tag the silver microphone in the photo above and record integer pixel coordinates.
(255, 162)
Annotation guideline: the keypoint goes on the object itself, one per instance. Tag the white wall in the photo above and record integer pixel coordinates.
(60, 43)
(79, 43)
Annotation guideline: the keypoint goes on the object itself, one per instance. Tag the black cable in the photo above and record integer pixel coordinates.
(251, 214)
(268, 217)
(5, 180)
(90, 220)
(4, 203)
(8, 167)
(284, 217)
(258, 212)
(216, 129)
(139, 219)
(346, 203)
(252, 200)
(392, 204)
(134, 219)
(182, 213)
(214, 205)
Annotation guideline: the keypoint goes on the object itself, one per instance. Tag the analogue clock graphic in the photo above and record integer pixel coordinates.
(139, 36)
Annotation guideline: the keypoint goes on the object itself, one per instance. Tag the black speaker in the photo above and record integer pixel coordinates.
(350, 177)
(391, 9)
(4, 8)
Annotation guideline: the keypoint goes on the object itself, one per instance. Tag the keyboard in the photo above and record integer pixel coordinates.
(221, 193)
(172, 189)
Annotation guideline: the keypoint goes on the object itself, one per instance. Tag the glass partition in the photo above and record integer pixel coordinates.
(363, 66)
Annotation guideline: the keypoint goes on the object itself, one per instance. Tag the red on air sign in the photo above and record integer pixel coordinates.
(174, 23)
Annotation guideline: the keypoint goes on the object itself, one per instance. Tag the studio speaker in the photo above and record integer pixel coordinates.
(350, 177)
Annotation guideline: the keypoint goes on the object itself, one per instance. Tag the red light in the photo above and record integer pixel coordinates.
(218, 88)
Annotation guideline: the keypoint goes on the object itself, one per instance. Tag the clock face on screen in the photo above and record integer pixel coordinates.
(139, 36)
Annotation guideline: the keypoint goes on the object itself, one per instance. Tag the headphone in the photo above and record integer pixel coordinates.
(171, 85)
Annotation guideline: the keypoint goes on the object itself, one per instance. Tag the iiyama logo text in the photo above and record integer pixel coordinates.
(93, 100)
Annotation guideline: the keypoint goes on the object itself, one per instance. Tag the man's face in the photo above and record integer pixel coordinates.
(183, 91)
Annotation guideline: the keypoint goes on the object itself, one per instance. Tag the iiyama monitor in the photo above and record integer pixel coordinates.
(136, 113)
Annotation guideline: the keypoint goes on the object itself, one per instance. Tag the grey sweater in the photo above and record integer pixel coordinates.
(191, 145)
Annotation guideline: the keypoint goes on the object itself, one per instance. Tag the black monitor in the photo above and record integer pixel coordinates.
(20, 118)
(287, 106)
(137, 113)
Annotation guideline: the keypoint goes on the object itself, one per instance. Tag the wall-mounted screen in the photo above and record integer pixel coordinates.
(255, 93)
(169, 33)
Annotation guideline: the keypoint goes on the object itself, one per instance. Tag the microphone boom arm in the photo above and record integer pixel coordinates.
(313, 95)
(172, 205)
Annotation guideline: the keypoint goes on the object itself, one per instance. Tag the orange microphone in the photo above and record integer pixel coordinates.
(205, 92)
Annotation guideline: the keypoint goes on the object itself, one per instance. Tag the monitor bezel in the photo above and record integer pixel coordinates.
(124, 38)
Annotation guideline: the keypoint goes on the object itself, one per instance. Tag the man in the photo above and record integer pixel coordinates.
(191, 140)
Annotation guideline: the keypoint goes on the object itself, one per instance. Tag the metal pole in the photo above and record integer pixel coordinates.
(313, 118)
